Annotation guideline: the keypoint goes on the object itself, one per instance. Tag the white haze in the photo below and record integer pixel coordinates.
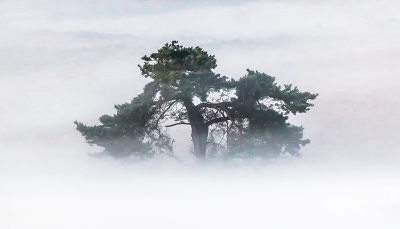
(73, 60)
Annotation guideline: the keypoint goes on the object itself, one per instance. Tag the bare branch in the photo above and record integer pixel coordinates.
(161, 116)
(223, 105)
(179, 123)
(214, 105)
(164, 100)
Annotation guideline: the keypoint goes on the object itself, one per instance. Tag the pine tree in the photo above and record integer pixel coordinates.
(245, 117)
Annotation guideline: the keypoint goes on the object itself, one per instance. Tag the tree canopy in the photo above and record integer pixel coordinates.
(239, 118)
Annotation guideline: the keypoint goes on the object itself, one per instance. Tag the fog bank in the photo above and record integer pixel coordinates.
(65, 61)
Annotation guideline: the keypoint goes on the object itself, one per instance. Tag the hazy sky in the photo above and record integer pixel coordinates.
(73, 60)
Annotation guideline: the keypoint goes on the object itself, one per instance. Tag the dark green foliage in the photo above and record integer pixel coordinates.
(256, 86)
(183, 71)
(244, 118)
(266, 134)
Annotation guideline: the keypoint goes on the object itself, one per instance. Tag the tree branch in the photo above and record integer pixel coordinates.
(161, 101)
(161, 116)
(259, 105)
(179, 123)
(221, 105)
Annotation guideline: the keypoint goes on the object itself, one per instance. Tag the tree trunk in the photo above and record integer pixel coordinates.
(199, 129)
(199, 137)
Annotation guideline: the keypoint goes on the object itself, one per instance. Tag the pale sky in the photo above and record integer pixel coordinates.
(73, 60)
